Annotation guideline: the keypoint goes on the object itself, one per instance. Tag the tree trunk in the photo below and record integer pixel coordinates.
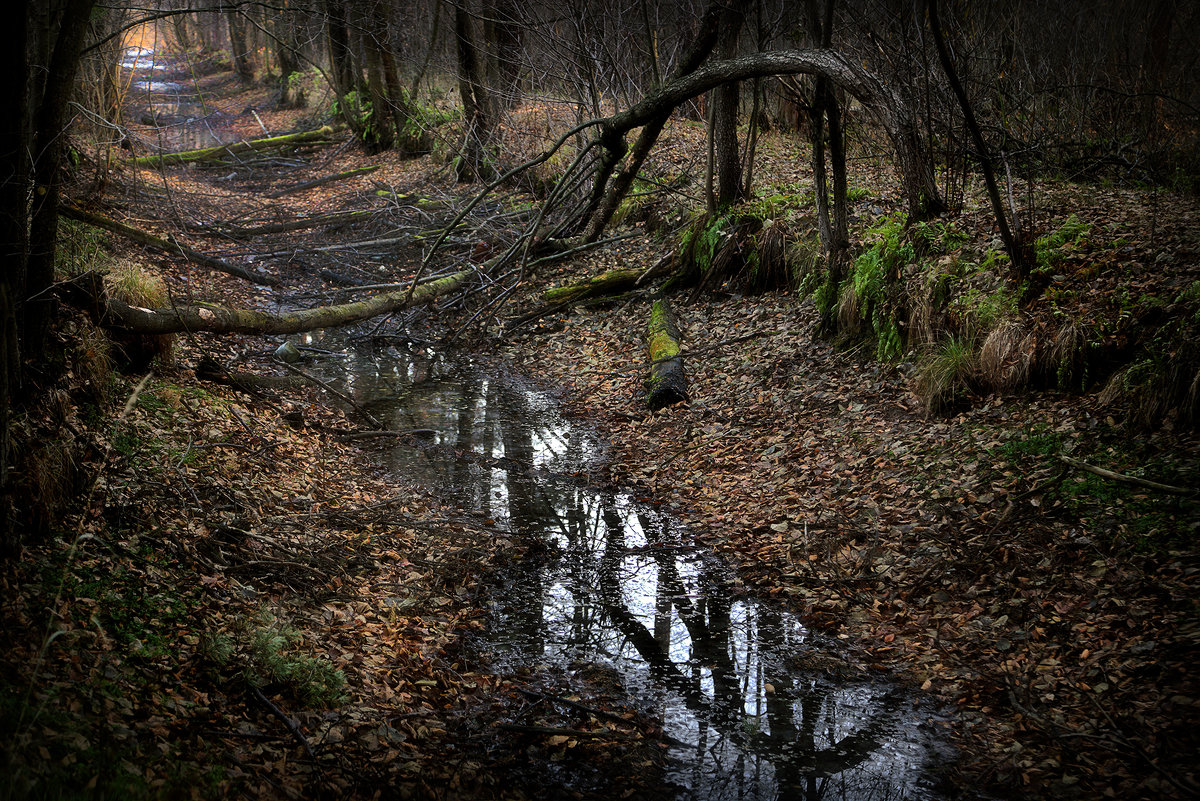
(605, 198)
(224, 320)
(606, 283)
(243, 62)
(504, 36)
(726, 102)
(341, 61)
(474, 163)
(50, 124)
(1015, 254)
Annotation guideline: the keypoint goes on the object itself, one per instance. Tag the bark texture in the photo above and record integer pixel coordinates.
(667, 384)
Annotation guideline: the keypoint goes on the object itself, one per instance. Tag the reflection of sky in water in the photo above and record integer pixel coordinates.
(620, 585)
(138, 58)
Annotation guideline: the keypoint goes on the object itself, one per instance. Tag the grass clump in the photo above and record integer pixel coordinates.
(138, 287)
(945, 375)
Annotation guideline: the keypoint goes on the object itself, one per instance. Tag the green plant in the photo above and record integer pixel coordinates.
(1050, 248)
(945, 375)
(869, 278)
(265, 652)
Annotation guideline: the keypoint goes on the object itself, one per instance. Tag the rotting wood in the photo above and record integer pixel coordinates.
(218, 319)
(165, 245)
(320, 136)
(667, 384)
(212, 370)
(327, 179)
(607, 283)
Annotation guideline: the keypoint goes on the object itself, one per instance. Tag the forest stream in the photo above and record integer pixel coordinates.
(347, 478)
(753, 705)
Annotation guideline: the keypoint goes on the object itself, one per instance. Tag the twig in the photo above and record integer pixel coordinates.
(372, 419)
(292, 726)
(554, 730)
(287, 190)
(1126, 479)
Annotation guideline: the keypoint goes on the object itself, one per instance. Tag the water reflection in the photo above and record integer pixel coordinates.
(621, 584)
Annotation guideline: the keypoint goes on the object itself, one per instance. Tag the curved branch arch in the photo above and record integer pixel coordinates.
(884, 103)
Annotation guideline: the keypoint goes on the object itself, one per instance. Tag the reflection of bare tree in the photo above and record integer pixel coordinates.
(609, 582)
(803, 765)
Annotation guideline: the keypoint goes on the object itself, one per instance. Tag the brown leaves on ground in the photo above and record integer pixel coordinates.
(1055, 612)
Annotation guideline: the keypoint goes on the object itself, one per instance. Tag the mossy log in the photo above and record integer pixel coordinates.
(611, 282)
(224, 320)
(667, 383)
(165, 245)
(327, 179)
(317, 137)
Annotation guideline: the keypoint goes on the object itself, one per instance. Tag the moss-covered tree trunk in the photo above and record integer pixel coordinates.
(667, 384)
(225, 320)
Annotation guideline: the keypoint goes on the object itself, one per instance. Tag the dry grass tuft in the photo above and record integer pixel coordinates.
(848, 311)
(945, 375)
(138, 287)
(1007, 356)
(93, 361)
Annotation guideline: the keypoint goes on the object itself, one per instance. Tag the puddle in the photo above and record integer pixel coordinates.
(757, 706)
(139, 58)
(152, 87)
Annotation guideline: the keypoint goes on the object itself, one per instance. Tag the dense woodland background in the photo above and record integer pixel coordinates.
(944, 149)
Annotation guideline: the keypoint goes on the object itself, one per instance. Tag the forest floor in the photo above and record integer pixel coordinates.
(228, 610)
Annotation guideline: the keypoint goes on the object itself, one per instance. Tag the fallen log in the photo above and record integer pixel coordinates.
(610, 282)
(165, 245)
(218, 319)
(1136, 481)
(317, 220)
(211, 370)
(319, 136)
(667, 383)
(328, 179)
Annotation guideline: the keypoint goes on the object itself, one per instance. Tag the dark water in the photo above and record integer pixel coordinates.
(761, 707)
